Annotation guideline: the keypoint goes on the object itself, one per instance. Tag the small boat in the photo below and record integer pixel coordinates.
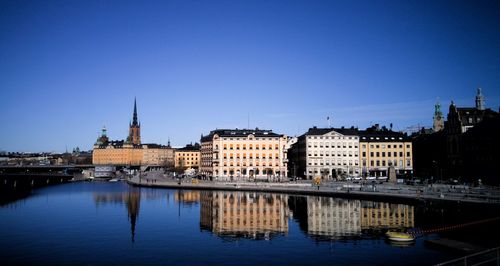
(400, 236)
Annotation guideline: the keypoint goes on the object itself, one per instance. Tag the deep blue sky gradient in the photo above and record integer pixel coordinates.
(69, 67)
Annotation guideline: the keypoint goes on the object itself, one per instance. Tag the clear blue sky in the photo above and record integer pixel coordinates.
(69, 67)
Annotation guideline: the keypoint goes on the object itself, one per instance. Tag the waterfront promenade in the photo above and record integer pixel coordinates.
(386, 191)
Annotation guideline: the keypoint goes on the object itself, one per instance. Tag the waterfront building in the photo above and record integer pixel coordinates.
(333, 218)
(188, 157)
(131, 151)
(104, 171)
(116, 153)
(244, 214)
(467, 148)
(157, 155)
(382, 148)
(243, 154)
(121, 153)
(461, 119)
(329, 153)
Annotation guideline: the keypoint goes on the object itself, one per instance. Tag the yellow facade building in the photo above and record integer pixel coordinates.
(117, 153)
(381, 149)
(188, 157)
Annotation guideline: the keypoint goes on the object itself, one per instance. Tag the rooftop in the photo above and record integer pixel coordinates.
(240, 133)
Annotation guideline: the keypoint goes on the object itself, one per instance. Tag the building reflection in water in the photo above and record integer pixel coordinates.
(131, 199)
(325, 218)
(333, 217)
(382, 215)
(244, 214)
(187, 197)
(231, 214)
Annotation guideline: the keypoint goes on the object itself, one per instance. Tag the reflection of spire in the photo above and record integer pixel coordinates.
(133, 204)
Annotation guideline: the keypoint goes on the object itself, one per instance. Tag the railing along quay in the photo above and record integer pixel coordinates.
(486, 257)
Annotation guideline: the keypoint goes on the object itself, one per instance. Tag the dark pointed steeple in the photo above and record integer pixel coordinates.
(134, 121)
(134, 136)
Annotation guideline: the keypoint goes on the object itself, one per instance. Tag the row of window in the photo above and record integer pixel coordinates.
(252, 138)
(387, 163)
(250, 147)
(186, 158)
(187, 154)
(383, 146)
(333, 146)
(317, 171)
(250, 159)
(330, 137)
(244, 156)
(338, 153)
(250, 164)
(394, 154)
(356, 163)
(249, 172)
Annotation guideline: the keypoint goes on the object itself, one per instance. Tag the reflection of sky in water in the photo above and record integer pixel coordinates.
(112, 222)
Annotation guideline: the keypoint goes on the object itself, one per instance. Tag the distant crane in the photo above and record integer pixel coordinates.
(413, 129)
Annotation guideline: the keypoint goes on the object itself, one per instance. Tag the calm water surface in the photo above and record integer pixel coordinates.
(104, 223)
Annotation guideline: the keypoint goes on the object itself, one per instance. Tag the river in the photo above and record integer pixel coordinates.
(114, 223)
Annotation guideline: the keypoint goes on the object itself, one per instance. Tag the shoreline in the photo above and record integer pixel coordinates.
(308, 189)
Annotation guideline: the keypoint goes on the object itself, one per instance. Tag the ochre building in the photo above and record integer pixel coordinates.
(383, 148)
(188, 157)
(131, 152)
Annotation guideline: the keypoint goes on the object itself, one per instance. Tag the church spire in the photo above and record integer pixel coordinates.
(134, 121)
(134, 135)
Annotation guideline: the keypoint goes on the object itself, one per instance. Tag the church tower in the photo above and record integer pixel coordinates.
(134, 135)
(103, 138)
(479, 100)
(438, 124)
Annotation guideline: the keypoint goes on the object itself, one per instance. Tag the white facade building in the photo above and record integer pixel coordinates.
(329, 153)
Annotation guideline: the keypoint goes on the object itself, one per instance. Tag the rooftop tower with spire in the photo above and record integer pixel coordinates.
(134, 135)
(438, 124)
(479, 100)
